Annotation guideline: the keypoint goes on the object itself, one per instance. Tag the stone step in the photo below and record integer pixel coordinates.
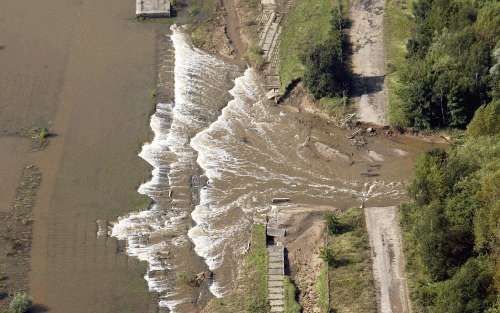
(276, 265)
(275, 296)
(276, 302)
(277, 309)
(275, 258)
(275, 271)
(275, 250)
(275, 289)
(275, 277)
(275, 283)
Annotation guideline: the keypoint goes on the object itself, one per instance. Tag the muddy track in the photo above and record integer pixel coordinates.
(388, 260)
(368, 62)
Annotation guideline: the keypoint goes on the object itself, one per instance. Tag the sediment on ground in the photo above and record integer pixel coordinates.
(16, 235)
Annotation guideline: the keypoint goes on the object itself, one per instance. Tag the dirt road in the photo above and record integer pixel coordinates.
(368, 62)
(388, 260)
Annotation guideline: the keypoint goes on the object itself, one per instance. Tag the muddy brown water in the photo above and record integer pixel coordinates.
(86, 69)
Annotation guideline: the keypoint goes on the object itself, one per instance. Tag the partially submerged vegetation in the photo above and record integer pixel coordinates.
(350, 271)
(20, 303)
(451, 227)
(201, 16)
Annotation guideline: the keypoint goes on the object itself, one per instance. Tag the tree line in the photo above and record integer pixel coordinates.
(452, 226)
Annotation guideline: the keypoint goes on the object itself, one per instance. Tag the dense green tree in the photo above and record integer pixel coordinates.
(450, 70)
(470, 290)
(486, 120)
(452, 226)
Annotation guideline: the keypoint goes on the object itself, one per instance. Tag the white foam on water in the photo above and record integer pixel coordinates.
(196, 74)
(213, 159)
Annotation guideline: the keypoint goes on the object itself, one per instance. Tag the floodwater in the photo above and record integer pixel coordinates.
(221, 152)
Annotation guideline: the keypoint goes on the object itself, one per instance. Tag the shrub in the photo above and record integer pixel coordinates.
(20, 303)
(326, 74)
(328, 255)
(486, 120)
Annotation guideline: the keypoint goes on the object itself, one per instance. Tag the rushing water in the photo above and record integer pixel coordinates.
(158, 234)
(220, 125)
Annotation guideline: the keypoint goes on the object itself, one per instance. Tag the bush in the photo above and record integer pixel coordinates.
(328, 255)
(469, 291)
(448, 72)
(486, 120)
(20, 303)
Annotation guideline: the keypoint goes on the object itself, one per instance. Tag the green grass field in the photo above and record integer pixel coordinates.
(322, 288)
(291, 304)
(351, 277)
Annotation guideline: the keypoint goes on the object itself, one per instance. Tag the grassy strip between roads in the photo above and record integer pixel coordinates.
(256, 267)
(323, 290)
(251, 295)
(352, 287)
(307, 25)
(291, 304)
(398, 27)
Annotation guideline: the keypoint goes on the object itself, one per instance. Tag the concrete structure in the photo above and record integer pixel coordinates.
(153, 8)
(276, 274)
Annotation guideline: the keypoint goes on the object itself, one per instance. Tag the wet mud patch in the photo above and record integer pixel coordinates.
(16, 235)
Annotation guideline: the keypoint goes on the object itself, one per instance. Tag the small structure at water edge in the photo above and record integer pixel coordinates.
(153, 8)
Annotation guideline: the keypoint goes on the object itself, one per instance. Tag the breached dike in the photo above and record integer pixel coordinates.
(201, 82)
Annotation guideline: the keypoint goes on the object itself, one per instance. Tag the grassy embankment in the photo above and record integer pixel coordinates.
(350, 273)
(201, 16)
(251, 295)
(291, 304)
(308, 25)
(398, 27)
(323, 290)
